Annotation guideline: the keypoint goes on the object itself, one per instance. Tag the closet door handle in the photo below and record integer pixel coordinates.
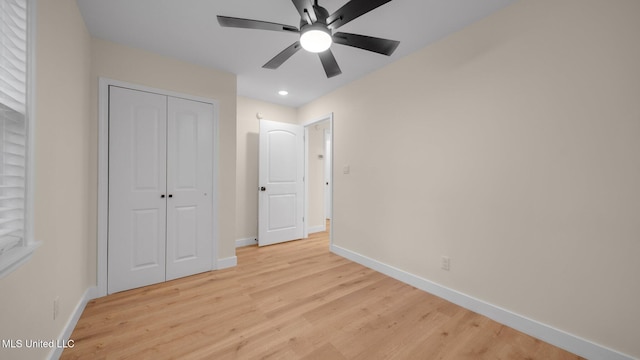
(162, 196)
(171, 195)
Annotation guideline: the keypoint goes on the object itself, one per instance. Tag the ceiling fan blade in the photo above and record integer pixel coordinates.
(305, 8)
(329, 64)
(227, 21)
(283, 56)
(381, 46)
(352, 10)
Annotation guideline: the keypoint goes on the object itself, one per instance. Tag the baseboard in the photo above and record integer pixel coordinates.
(315, 229)
(246, 242)
(559, 338)
(227, 262)
(90, 294)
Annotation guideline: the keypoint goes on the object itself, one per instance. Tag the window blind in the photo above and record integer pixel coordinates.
(13, 54)
(13, 130)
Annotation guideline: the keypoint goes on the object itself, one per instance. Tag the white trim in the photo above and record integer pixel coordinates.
(90, 294)
(227, 262)
(305, 227)
(103, 169)
(215, 197)
(17, 257)
(103, 183)
(322, 118)
(557, 337)
(319, 228)
(246, 242)
(31, 130)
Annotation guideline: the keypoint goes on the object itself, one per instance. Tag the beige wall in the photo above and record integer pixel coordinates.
(64, 264)
(135, 66)
(512, 147)
(247, 159)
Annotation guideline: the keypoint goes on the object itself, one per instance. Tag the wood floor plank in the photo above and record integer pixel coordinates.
(292, 301)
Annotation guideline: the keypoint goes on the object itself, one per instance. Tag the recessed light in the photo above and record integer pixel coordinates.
(283, 92)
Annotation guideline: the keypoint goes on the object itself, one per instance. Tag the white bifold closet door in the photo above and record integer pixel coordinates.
(160, 188)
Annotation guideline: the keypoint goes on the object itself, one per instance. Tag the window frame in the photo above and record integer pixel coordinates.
(15, 259)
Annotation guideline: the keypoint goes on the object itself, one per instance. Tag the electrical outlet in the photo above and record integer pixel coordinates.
(446, 263)
(56, 307)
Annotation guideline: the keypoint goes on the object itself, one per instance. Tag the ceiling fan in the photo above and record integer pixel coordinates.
(316, 26)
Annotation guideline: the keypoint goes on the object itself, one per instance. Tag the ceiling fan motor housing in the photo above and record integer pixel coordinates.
(321, 15)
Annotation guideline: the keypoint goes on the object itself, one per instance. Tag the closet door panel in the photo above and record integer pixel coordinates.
(186, 226)
(190, 182)
(137, 179)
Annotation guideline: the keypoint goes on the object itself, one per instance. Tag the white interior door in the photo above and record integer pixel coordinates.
(189, 188)
(137, 175)
(281, 173)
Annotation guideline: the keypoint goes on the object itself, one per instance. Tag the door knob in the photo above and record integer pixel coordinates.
(262, 188)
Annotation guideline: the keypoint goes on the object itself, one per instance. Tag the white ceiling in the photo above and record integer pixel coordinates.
(188, 30)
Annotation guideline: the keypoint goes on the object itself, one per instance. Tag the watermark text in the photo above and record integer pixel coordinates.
(36, 344)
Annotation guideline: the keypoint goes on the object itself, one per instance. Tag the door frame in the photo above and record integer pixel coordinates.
(306, 125)
(103, 170)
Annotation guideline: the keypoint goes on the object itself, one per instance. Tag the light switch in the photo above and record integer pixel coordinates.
(346, 169)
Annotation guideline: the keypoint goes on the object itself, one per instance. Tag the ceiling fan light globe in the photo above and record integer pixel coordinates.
(316, 39)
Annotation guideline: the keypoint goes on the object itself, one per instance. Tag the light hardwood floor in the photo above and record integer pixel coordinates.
(292, 301)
